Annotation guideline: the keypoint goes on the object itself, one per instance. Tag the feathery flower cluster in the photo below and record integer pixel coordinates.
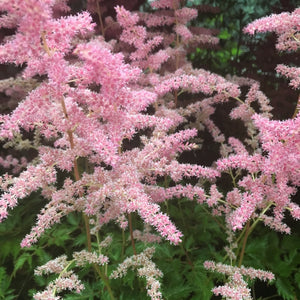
(201, 81)
(67, 280)
(273, 171)
(263, 187)
(138, 36)
(86, 123)
(10, 162)
(285, 25)
(84, 257)
(172, 4)
(236, 288)
(287, 28)
(290, 72)
(146, 236)
(55, 266)
(145, 268)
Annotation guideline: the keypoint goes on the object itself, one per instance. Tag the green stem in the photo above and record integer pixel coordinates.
(105, 280)
(99, 272)
(123, 244)
(189, 261)
(244, 244)
(131, 234)
(215, 219)
(61, 273)
(233, 178)
(100, 18)
(296, 108)
(239, 100)
(98, 242)
(259, 218)
(88, 233)
(249, 230)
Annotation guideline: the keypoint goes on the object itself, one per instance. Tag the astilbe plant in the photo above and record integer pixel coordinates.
(264, 193)
(87, 93)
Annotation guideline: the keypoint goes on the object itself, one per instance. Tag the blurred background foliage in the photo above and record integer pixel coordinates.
(249, 56)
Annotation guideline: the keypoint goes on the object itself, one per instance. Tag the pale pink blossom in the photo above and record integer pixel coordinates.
(285, 25)
(145, 268)
(158, 18)
(236, 287)
(290, 72)
(185, 14)
(84, 257)
(173, 4)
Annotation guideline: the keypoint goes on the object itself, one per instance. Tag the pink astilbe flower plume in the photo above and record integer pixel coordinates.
(137, 36)
(145, 268)
(287, 27)
(236, 288)
(273, 166)
(105, 113)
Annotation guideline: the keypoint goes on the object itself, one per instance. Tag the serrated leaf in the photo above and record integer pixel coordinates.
(42, 255)
(73, 220)
(21, 260)
(297, 279)
(189, 242)
(88, 296)
(163, 250)
(285, 289)
(290, 242)
(9, 247)
(5, 292)
(178, 292)
(282, 269)
(2, 273)
(202, 286)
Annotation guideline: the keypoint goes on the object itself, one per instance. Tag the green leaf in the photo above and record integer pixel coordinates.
(21, 260)
(5, 292)
(202, 285)
(178, 292)
(74, 219)
(224, 34)
(285, 289)
(9, 247)
(42, 255)
(189, 242)
(297, 279)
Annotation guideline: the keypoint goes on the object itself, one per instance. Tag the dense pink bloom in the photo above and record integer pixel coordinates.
(201, 81)
(290, 72)
(286, 25)
(173, 4)
(186, 14)
(278, 173)
(184, 32)
(158, 18)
